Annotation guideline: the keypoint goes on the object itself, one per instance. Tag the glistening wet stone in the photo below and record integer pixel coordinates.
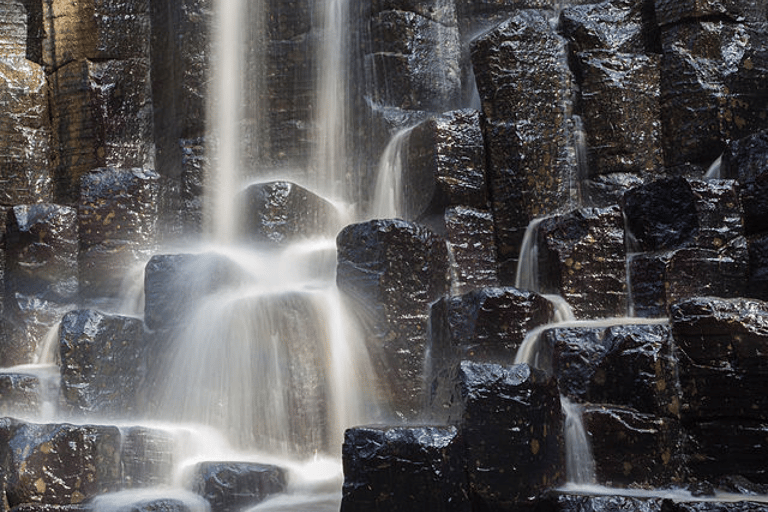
(230, 486)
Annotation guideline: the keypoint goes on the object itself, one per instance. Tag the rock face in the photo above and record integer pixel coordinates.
(471, 240)
(392, 270)
(525, 87)
(103, 362)
(230, 486)
(404, 468)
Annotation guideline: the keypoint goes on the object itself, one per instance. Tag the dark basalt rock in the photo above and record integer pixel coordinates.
(582, 258)
(103, 362)
(616, 25)
(58, 464)
(662, 214)
(700, 272)
(193, 165)
(471, 243)
(619, 89)
(42, 507)
(713, 87)
(758, 267)
(117, 221)
(511, 422)
(722, 362)
(525, 86)
(231, 486)
(632, 448)
(97, 30)
(174, 284)
(448, 152)
(675, 11)
(19, 394)
(577, 503)
(404, 468)
(149, 505)
(727, 446)
(280, 212)
(746, 160)
(147, 457)
(415, 61)
(102, 117)
(440, 12)
(631, 365)
(24, 129)
(647, 277)
(392, 270)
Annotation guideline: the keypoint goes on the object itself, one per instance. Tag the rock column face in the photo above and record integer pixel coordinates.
(392, 270)
(525, 86)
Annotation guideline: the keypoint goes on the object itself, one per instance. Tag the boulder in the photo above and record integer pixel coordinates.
(404, 468)
(632, 366)
(634, 449)
(103, 362)
(25, 129)
(582, 258)
(673, 11)
(281, 212)
(102, 117)
(231, 486)
(58, 464)
(620, 26)
(511, 422)
(728, 447)
(117, 221)
(470, 237)
(391, 271)
(700, 272)
(526, 87)
(746, 160)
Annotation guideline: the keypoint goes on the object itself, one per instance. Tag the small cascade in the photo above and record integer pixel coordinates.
(714, 171)
(527, 277)
(388, 200)
(579, 463)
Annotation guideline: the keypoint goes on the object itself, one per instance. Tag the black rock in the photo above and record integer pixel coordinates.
(19, 394)
(616, 25)
(735, 446)
(193, 165)
(647, 278)
(230, 486)
(746, 160)
(511, 422)
(471, 243)
(525, 85)
(582, 258)
(758, 267)
(578, 503)
(280, 212)
(404, 468)
(392, 271)
(117, 221)
(675, 11)
(634, 449)
(103, 362)
(701, 272)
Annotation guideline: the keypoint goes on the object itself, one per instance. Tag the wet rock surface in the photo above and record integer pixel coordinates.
(19, 394)
(392, 270)
(746, 160)
(470, 236)
(230, 486)
(577, 503)
(404, 468)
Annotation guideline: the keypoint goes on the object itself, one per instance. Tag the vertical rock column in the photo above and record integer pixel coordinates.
(525, 86)
(98, 58)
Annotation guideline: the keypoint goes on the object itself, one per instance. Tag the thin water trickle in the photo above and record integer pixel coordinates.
(388, 195)
(579, 463)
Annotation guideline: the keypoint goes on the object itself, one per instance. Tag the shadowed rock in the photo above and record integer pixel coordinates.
(404, 468)
(392, 270)
(231, 486)
(746, 160)
(19, 394)
(728, 447)
(674, 11)
(758, 267)
(471, 243)
(577, 503)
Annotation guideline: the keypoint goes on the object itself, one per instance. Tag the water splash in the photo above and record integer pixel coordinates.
(388, 198)
(579, 463)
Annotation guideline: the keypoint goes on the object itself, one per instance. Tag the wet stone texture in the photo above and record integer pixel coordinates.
(746, 160)
(633, 448)
(117, 223)
(392, 270)
(577, 503)
(193, 165)
(19, 394)
(674, 11)
(582, 258)
(58, 464)
(103, 363)
(511, 422)
(404, 468)
(470, 237)
(281, 212)
(621, 26)
(232, 486)
(722, 368)
(525, 86)
(41, 277)
(147, 457)
(713, 86)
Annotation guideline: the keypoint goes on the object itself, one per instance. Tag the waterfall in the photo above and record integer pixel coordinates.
(579, 464)
(388, 195)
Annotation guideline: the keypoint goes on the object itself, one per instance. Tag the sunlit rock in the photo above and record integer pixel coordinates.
(676, 11)
(471, 240)
(622, 26)
(95, 29)
(103, 363)
(102, 117)
(25, 130)
(231, 486)
(280, 212)
(117, 221)
(746, 160)
(511, 423)
(634, 449)
(582, 258)
(713, 87)
(404, 468)
(58, 464)
(526, 89)
(631, 365)
(391, 271)
(579, 503)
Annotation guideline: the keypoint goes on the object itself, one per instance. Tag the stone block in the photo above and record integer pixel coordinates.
(231, 486)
